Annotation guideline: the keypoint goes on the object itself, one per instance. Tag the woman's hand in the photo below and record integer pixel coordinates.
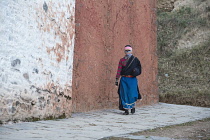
(116, 83)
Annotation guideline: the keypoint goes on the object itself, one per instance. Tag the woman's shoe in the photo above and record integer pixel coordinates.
(126, 112)
(133, 110)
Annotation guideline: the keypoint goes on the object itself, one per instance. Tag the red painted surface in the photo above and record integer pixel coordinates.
(103, 28)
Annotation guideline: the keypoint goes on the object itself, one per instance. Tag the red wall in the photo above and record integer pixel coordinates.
(103, 28)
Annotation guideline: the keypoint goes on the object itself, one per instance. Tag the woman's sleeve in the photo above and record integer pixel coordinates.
(139, 65)
(119, 70)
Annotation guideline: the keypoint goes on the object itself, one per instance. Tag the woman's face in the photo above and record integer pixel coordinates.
(128, 52)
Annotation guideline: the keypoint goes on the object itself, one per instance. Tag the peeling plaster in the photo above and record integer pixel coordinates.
(37, 54)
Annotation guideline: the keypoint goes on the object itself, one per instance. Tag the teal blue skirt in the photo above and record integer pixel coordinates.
(128, 92)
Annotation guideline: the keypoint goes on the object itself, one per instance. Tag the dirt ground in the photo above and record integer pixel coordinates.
(198, 130)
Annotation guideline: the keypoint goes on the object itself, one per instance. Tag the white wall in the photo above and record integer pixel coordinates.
(36, 58)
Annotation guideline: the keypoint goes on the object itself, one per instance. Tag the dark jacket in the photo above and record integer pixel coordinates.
(128, 70)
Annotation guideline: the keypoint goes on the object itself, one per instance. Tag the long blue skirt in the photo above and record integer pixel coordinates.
(128, 92)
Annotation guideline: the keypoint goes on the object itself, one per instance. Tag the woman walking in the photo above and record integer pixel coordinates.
(129, 67)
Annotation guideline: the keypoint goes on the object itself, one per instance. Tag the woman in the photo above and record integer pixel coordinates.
(129, 67)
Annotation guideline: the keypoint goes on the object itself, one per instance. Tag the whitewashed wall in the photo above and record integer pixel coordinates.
(36, 58)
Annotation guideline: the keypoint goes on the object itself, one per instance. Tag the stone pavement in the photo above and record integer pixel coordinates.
(104, 123)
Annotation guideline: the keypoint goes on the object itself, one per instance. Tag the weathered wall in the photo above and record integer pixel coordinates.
(103, 28)
(36, 58)
(38, 46)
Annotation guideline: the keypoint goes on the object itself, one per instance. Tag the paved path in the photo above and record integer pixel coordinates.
(105, 123)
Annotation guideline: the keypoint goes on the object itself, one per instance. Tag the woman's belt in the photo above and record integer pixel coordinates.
(127, 76)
